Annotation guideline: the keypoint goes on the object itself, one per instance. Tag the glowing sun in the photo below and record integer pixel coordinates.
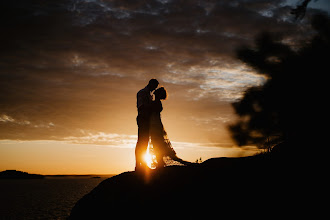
(148, 158)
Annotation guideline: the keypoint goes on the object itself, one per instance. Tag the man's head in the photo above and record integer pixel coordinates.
(153, 84)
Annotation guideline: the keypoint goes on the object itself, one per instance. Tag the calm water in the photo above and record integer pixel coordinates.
(50, 198)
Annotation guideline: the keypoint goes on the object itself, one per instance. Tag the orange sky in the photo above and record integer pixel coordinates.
(54, 157)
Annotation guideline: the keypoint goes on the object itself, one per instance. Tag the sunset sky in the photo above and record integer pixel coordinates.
(70, 71)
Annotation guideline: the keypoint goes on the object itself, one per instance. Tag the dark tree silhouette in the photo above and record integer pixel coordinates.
(287, 107)
(300, 10)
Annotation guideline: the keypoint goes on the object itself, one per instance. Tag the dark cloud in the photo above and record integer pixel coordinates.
(68, 66)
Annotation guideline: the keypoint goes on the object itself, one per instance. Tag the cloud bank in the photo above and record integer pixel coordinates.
(73, 65)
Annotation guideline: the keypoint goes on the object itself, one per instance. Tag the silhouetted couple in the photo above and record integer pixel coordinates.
(150, 126)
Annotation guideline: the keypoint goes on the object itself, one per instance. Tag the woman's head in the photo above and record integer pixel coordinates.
(160, 93)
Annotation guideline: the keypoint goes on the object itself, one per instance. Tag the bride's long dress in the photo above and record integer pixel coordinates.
(160, 148)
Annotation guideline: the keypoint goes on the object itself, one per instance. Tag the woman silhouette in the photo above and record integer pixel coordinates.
(161, 147)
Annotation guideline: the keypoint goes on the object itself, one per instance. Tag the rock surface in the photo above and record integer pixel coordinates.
(218, 185)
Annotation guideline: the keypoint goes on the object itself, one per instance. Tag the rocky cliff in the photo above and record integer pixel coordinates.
(218, 185)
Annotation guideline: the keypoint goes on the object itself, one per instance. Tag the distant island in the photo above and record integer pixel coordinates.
(15, 174)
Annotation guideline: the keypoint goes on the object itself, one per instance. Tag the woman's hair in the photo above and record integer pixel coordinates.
(161, 93)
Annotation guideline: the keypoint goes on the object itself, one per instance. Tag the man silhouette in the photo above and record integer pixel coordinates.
(144, 102)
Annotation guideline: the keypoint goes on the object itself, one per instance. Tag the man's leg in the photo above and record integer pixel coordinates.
(142, 143)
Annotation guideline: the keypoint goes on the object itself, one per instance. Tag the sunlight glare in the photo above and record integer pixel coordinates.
(148, 159)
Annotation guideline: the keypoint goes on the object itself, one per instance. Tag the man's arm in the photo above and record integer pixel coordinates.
(140, 99)
(156, 106)
(143, 104)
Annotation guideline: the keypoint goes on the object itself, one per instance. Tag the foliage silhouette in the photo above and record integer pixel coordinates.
(286, 107)
(300, 10)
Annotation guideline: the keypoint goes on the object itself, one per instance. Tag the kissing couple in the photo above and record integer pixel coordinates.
(150, 126)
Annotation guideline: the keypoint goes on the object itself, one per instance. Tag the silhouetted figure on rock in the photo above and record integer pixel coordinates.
(144, 103)
(150, 125)
(161, 146)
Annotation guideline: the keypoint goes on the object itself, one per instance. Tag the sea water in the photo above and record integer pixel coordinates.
(49, 198)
